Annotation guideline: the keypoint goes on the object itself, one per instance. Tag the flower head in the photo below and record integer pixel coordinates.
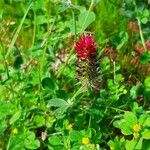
(85, 140)
(148, 45)
(69, 127)
(136, 127)
(15, 131)
(125, 91)
(85, 47)
(133, 27)
(87, 62)
(139, 49)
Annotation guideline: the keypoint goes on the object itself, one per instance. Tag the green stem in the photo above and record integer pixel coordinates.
(8, 145)
(72, 50)
(141, 34)
(44, 46)
(117, 109)
(34, 30)
(89, 125)
(90, 8)
(66, 62)
(6, 68)
(81, 89)
(17, 32)
(74, 21)
(114, 65)
(5, 61)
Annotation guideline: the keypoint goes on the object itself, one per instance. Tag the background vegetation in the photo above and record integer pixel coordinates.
(43, 106)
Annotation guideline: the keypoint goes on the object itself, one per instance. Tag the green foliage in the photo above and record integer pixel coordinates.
(137, 126)
(85, 18)
(44, 106)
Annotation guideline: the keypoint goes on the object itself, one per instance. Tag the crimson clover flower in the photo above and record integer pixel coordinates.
(87, 62)
(85, 47)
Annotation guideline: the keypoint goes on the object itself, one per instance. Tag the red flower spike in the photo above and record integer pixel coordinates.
(139, 49)
(133, 27)
(85, 47)
(148, 45)
(87, 62)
